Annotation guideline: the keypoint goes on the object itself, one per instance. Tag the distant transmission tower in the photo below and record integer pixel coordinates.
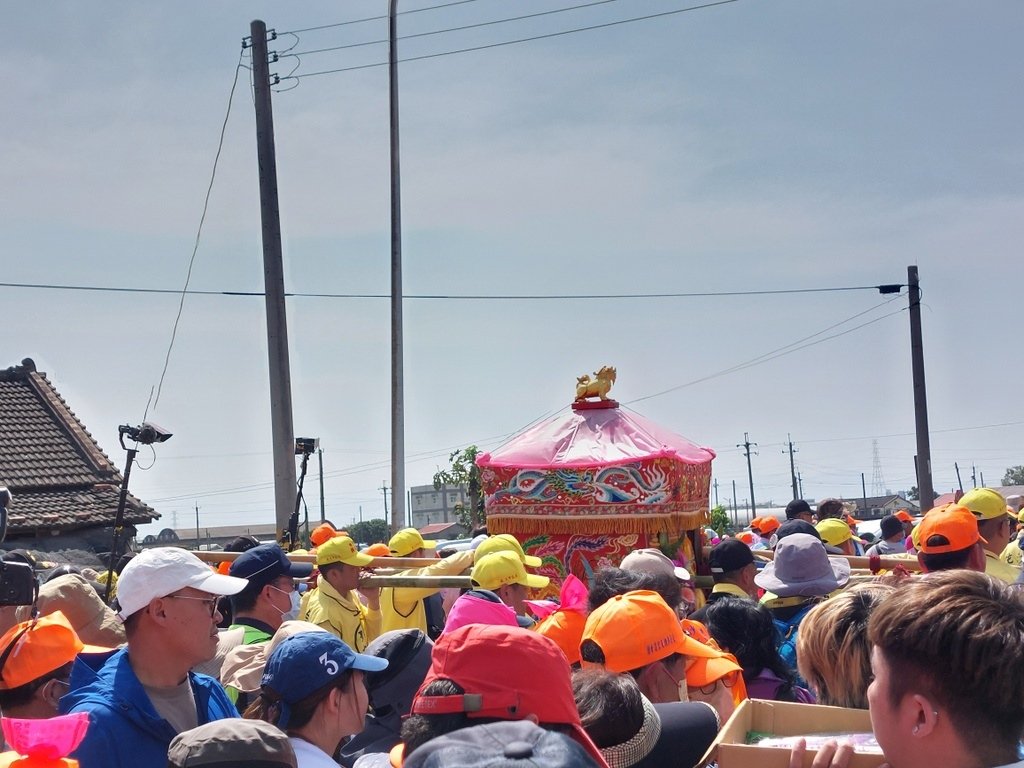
(877, 481)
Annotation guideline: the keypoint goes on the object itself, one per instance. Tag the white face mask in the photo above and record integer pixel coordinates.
(293, 598)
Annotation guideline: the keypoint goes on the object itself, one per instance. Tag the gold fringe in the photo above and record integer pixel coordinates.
(581, 525)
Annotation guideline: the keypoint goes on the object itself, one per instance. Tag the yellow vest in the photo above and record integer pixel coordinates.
(342, 615)
(402, 607)
(998, 569)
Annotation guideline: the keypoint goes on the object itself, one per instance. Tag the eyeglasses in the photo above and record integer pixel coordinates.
(211, 602)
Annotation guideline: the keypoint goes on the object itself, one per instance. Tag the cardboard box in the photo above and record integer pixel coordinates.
(783, 718)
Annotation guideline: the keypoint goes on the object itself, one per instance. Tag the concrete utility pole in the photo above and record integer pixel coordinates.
(925, 493)
(384, 490)
(282, 429)
(735, 512)
(746, 445)
(792, 466)
(320, 458)
(397, 365)
(864, 493)
(716, 491)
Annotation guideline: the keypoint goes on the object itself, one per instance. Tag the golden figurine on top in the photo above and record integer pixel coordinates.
(598, 387)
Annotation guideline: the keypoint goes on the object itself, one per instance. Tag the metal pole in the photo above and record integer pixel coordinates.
(115, 553)
(958, 480)
(320, 457)
(197, 525)
(397, 373)
(750, 475)
(735, 512)
(864, 492)
(282, 430)
(924, 452)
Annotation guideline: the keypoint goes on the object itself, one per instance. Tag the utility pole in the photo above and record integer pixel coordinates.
(974, 476)
(384, 490)
(282, 429)
(746, 445)
(397, 366)
(716, 491)
(926, 495)
(800, 484)
(864, 492)
(958, 480)
(792, 466)
(320, 458)
(735, 512)
(982, 476)
(197, 525)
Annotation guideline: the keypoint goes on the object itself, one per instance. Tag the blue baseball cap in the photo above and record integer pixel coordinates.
(266, 562)
(304, 663)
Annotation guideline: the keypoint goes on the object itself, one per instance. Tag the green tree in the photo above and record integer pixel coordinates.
(1014, 475)
(720, 520)
(915, 495)
(369, 531)
(464, 472)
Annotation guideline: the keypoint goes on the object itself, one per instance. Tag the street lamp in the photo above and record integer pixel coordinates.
(145, 434)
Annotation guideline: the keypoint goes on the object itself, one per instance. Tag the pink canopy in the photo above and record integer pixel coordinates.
(593, 438)
(596, 469)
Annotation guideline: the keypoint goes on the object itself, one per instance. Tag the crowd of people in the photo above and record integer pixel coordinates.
(267, 661)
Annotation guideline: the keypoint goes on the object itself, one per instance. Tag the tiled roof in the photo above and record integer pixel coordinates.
(59, 476)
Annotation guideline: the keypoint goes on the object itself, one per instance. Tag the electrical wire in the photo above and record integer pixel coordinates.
(460, 297)
(199, 231)
(463, 28)
(777, 353)
(519, 40)
(374, 18)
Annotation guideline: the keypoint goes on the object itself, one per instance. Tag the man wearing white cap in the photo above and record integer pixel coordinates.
(144, 694)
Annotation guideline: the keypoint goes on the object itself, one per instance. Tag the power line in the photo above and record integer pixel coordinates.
(375, 18)
(795, 346)
(199, 232)
(451, 29)
(519, 40)
(453, 296)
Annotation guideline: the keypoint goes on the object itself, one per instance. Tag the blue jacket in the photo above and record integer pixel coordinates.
(125, 730)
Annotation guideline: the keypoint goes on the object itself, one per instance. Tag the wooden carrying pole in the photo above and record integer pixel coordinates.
(856, 562)
(393, 563)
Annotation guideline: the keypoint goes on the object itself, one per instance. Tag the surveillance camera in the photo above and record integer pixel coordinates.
(152, 433)
(147, 434)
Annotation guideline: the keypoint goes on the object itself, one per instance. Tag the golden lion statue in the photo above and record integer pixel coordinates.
(596, 387)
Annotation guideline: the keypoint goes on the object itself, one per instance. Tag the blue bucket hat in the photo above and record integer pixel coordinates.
(304, 663)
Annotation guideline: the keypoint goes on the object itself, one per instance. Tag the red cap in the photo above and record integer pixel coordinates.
(506, 672)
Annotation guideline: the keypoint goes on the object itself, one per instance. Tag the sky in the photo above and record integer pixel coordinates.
(750, 146)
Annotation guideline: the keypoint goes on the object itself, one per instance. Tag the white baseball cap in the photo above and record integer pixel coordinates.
(160, 571)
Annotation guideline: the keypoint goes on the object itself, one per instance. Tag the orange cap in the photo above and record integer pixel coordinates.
(767, 525)
(565, 627)
(378, 550)
(956, 524)
(32, 648)
(637, 629)
(903, 516)
(323, 532)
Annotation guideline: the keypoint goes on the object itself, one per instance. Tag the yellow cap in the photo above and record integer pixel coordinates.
(341, 549)
(834, 532)
(985, 503)
(408, 540)
(504, 542)
(500, 568)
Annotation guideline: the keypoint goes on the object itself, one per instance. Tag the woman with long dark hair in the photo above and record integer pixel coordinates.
(746, 630)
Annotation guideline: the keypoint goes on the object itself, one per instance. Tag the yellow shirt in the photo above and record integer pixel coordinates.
(998, 569)
(342, 615)
(402, 607)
